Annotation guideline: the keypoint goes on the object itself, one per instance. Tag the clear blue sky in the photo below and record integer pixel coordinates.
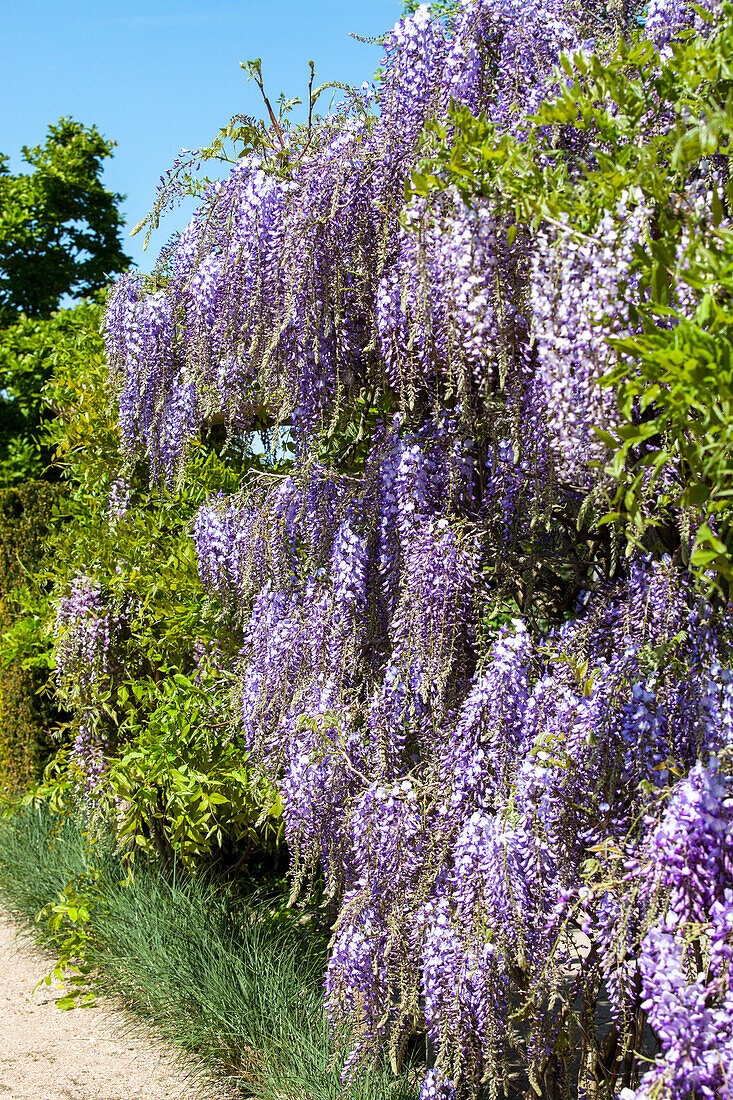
(158, 75)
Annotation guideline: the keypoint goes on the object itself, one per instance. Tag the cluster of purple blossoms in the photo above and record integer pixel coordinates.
(686, 955)
(88, 755)
(120, 493)
(83, 635)
(577, 304)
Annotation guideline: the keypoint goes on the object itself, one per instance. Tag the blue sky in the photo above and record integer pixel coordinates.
(158, 75)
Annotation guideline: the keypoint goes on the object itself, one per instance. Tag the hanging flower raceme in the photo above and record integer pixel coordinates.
(577, 305)
(686, 955)
(83, 634)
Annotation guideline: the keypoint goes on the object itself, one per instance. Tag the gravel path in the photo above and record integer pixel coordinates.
(82, 1054)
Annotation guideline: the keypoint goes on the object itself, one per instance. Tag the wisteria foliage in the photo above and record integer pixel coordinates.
(522, 816)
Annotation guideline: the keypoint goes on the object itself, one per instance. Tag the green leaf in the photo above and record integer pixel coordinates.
(696, 494)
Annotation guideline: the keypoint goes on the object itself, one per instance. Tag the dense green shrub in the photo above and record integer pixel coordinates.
(172, 783)
(25, 717)
(27, 712)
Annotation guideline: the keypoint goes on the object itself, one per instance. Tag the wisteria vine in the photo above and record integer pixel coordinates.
(507, 751)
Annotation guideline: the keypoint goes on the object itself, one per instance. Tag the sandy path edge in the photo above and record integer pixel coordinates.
(81, 1054)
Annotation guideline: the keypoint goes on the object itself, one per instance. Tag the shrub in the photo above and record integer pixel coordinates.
(27, 712)
(111, 600)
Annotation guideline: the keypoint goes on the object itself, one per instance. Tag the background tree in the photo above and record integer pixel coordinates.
(59, 225)
(59, 237)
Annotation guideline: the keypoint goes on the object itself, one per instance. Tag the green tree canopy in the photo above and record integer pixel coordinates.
(59, 236)
(59, 226)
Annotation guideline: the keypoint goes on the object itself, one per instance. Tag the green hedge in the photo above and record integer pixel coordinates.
(26, 709)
